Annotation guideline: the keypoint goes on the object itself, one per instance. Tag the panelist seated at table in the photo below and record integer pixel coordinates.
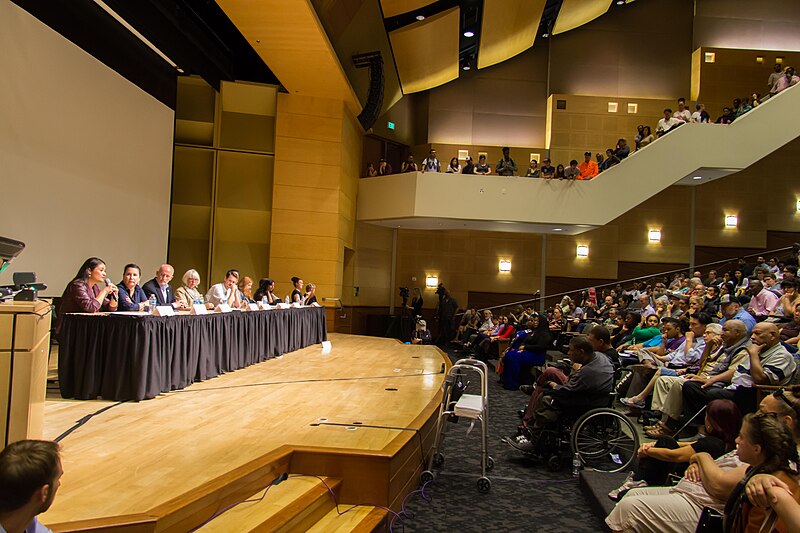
(297, 295)
(187, 294)
(226, 292)
(131, 295)
(266, 286)
(84, 295)
(311, 294)
(159, 286)
(246, 290)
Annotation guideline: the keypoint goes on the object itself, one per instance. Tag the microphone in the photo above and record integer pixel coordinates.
(111, 295)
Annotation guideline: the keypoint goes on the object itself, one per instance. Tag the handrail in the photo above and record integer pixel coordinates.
(535, 299)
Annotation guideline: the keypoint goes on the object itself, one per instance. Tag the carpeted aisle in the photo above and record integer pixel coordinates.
(524, 497)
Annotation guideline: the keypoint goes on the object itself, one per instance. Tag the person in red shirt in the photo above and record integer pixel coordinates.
(588, 168)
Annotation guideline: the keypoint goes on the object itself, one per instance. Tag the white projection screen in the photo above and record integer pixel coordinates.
(85, 158)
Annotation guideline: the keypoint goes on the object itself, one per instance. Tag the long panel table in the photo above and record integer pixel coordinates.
(124, 357)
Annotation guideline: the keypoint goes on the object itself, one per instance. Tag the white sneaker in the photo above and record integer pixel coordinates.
(629, 484)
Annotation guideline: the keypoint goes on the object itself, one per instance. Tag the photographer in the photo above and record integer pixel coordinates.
(421, 334)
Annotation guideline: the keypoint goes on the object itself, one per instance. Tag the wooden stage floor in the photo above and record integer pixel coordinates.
(134, 457)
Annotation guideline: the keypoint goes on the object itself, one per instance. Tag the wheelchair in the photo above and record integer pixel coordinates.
(602, 438)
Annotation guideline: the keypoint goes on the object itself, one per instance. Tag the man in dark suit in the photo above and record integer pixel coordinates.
(159, 286)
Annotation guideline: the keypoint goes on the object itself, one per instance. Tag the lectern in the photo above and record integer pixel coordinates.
(24, 347)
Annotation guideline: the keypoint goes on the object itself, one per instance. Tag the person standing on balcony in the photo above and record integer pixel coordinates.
(588, 168)
(430, 163)
(409, 165)
(683, 114)
(533, 170)
(482, 167)
(548, 170)
(506, 166)
(727, 116)
(776, 74)
(623, 150)
(384, 168)
(784, 82)
(700, 114)
(666, 124)
(469, 168)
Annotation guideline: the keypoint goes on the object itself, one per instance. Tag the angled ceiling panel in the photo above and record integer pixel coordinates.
(508, 28)
(426, 52)
(574, 13)
(392, 8)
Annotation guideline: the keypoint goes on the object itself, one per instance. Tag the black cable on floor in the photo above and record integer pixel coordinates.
(85, 419)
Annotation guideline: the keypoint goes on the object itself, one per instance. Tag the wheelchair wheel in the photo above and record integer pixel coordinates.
(554, 463)
(605, 440)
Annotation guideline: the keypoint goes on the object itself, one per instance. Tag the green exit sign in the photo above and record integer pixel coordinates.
(390, 125)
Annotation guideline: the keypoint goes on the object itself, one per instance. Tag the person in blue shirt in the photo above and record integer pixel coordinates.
(731, 307)
(131, 295)
(30, 474)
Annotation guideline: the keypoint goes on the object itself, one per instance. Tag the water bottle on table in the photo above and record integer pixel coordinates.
(151, 302)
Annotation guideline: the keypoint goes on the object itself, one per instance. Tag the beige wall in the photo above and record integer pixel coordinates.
(744, 24)
(317, 156)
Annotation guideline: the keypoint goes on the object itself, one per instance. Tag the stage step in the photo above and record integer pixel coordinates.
(596, 486)
(362, 519)
(296, 504)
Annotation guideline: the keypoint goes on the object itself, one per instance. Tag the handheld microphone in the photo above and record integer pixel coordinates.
(112, 295)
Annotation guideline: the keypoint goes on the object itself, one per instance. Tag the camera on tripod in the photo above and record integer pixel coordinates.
(405, 294)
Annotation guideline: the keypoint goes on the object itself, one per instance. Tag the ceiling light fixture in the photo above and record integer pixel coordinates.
(545, 35)
(697, 178)
(420, 17)
(469, 33)
(620, 2)
(558, 229)
(466, 66)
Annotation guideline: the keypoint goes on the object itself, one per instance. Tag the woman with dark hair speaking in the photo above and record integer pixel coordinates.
(131, 295)
(83, 294)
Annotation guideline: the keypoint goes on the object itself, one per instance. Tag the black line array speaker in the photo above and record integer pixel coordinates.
(372, 109)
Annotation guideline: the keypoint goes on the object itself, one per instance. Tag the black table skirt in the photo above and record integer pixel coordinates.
(123, 357)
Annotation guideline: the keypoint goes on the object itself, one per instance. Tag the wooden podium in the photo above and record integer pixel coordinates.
(24, 347)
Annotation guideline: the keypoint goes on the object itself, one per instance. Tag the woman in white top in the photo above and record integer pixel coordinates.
(454, 167)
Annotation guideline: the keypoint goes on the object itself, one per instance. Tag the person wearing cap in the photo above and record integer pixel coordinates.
(548, 170)
(731, 307)
(421, 334)
(533, 170)
(588, 168)
(506, 166)
(469, 167)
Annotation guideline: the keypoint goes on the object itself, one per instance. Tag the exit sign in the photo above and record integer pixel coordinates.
(390, 125)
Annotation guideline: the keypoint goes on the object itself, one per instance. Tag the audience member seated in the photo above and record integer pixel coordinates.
(660, 459)
(647, 137)
(762, 302)
(532, 352)
(642, 333)
(727, 116)
(637, 139)
(623, 150)
(454, 167)
(533, 170)
(487, 346)
(731, 308)
(159, 286)
(384, 168)
(572, 172)
(777, 73)
(130, 294)
(784, 82)
(768, 363)
(700, 114)
(588, 387)
(187, 294)
(30, 475)
(266, 286)
(225, 292)
(409, 165)
(574, 316)
(600, 160)
(484, 329)
(790, 333)
(610, 160)
(666, 124)
(245, 286)
(682, 113)
(548, 170)
(84, 295)
(421, 333)
(588, 169)
(482, 167)
(311, 294)
(788, 299)
(506, 166)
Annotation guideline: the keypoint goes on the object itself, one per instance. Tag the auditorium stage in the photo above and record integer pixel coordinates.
(361, 413)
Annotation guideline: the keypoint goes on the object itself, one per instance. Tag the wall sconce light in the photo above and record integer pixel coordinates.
(583, 250)
(759, 59)
(710, 57)
(633, 108)
(731, 221)
(798, 205)
(612, 107)
(505, 266)
(432, 282)
(779, 60)
(463, 155)
(654, 235)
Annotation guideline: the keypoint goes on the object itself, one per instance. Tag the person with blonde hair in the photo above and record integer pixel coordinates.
(246, 289)
(187, 294)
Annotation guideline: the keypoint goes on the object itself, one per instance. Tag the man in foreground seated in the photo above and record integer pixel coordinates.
(588, 387)
(30, 474)
(768, 363)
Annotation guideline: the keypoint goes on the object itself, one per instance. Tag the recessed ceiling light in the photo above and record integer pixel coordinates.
(545, 35)
(558, 229)
(465, 67)
(469, 33)
(697, 178)
(620, 2)
(420, 17)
